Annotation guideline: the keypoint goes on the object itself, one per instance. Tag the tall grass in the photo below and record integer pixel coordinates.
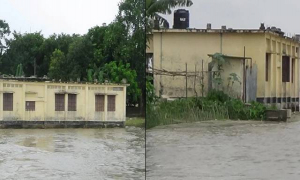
(184, 110)
(216, 105)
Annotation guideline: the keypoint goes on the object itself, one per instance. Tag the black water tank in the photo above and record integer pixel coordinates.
(181, 19)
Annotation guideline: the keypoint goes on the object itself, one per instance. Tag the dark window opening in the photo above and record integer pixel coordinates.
(7, 101)
(111, 106)
(30, 105)
(293, 70)
(59, 102)
(99, 103)
(268, 57)
(72, 102)
(285, 69)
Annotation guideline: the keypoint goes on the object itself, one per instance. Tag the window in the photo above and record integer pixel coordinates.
(268, 55)
(111, 106)
(99, 102)
(59, 102)
(285, 69)
(30, 105)
(293, 69)
(7, 101)
(71, 102)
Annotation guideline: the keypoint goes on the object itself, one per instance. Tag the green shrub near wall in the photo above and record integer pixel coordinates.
(216, 105)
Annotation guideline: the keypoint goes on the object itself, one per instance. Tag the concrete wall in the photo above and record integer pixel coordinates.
(174, 48)
(43, 93)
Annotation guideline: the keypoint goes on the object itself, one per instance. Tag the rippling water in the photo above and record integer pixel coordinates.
(225, 150)
(72, 154)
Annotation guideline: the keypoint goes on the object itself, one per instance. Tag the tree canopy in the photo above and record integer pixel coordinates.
(105, 53)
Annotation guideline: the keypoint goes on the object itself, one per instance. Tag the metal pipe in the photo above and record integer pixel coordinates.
(244, 74)
(186, 88)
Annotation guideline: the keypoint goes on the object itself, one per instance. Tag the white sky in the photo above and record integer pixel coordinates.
(245, 14)
(57, 16)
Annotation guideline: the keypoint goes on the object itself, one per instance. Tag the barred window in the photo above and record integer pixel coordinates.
(111, 106)
(71, 102)
(59, 102)
(30, 105)
(7, 101)
(99, 102)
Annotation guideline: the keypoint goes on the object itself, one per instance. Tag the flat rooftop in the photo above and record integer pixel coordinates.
(228, 30)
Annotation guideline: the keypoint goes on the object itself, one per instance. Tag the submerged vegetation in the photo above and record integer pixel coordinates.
(215, 106)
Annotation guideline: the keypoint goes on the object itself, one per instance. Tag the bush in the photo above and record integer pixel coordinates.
(216, 105)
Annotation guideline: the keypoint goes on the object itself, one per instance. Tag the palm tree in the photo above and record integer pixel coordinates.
(156, 7)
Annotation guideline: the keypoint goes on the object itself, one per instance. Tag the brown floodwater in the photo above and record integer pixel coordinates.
(224, 150)
(73, 154)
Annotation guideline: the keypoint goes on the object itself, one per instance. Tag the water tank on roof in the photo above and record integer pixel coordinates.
(181, 19)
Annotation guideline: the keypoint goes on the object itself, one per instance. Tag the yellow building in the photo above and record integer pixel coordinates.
(62, 102)
(173, 52)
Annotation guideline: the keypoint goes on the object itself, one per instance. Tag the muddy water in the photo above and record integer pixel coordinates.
(224, 150)
(72, 154)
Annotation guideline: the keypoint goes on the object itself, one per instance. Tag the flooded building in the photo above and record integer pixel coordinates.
(62, 102)
(263, 62)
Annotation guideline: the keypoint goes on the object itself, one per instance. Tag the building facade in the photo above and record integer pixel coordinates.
(49, 101)
(274, 56)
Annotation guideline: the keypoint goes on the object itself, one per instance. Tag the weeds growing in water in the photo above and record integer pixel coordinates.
(216, 105)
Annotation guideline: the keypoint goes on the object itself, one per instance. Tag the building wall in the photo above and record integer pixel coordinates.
(43, 94)
(173, 49)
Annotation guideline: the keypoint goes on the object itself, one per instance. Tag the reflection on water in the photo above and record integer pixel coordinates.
(72, 154)
(224, 150)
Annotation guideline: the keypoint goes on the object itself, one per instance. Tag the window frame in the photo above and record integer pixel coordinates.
(31, 106)
(99, 103)
(72, 103)
(59, 102)
(111, 103)
(286, 69)
(8, 104)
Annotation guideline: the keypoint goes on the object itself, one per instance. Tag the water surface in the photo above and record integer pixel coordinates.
(72, 154)
(224, 150)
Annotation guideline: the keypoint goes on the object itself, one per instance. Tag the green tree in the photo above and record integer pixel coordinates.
(119, 73)
(132, 17)
(79, 57)
(23, 49)
(4, 31)
(58, 69)
(54, 41)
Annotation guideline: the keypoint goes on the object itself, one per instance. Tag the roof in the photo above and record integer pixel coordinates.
(41, 80)
(228, 30)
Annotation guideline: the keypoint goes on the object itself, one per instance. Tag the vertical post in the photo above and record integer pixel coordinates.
(34, 67)
(186, 76)
(244, 74)
(1, 99)
(195, 80)
(202, 79)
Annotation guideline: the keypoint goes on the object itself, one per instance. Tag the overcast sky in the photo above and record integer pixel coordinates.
(57, 16)
(245, 14)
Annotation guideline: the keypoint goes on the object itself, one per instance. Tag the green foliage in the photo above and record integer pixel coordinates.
(233, 77)
(58, 66)
(257, 110)
(102, 53)
(216, 105)
(217, 96)
(117, 72)
(151, 98)
(24, 49)
(20, 71)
